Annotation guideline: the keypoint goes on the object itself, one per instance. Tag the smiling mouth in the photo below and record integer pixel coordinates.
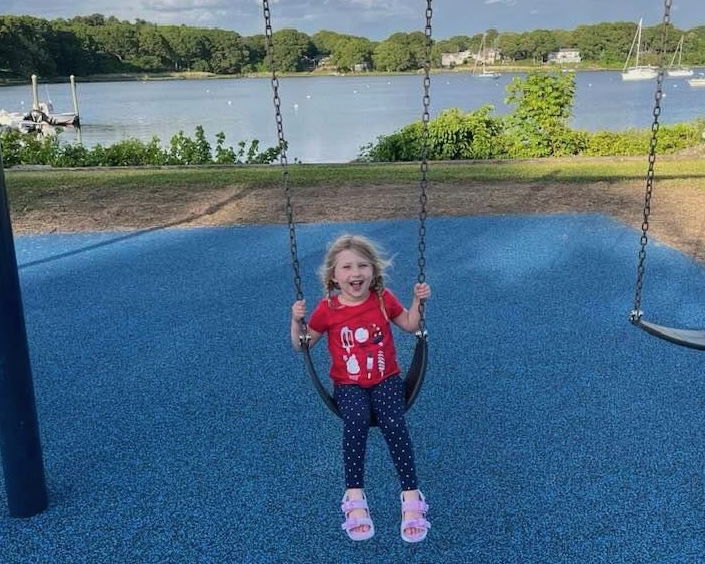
(356, 285)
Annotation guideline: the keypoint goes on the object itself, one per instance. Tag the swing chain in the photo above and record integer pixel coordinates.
(636, 313)
(423, 184)
(283, 161)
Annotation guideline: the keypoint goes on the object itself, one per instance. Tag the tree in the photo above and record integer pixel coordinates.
(256, 52)
(293, 50)
(538, 127)
(400, 52)
(351, 51)
(539, 43)
(512, 47)
(151, 43)
(325, 41)
(228, 54)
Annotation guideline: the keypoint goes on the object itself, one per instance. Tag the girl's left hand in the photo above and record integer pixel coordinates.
(422, 291)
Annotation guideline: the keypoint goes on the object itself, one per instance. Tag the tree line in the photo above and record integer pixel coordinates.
(96, 44)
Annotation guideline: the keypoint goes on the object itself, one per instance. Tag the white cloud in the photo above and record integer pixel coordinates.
(184, 5)
(505, 2)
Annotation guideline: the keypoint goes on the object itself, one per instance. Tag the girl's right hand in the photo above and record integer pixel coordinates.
(298, 310)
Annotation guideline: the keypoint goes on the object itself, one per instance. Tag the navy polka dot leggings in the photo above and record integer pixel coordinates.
(356, 406)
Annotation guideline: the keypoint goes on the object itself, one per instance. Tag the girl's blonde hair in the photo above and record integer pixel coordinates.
(363, 247)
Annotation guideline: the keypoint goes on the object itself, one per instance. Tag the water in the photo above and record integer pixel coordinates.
(328, 118)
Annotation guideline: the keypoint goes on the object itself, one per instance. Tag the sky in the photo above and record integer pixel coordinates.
(374, 19)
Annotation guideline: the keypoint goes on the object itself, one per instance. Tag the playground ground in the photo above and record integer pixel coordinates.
(178, 426)
(677, 205)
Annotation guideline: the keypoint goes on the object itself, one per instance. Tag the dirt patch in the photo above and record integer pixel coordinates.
(677, 209)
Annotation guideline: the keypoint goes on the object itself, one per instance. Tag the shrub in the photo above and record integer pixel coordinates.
(28, 148)
(452, 135)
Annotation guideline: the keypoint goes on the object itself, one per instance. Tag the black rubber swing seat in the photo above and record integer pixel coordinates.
(692, 338)
(412, 382)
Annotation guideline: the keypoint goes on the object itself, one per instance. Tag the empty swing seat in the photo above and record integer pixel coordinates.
(692, 338)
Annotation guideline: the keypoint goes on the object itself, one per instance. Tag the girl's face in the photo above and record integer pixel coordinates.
(353, 273)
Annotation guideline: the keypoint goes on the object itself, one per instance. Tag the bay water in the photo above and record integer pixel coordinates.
(329, 118)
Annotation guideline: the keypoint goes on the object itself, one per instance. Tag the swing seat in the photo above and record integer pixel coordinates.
(691, 338)
(412, 382)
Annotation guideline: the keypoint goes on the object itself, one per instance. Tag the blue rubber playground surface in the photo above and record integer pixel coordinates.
(178, 426)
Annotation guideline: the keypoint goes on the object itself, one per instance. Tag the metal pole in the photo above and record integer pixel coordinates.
(72, 79)
(77, 122)
(35, 93)
(20, 447)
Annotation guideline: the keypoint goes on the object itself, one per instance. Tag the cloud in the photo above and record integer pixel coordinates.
(505, 2)
(185, 5)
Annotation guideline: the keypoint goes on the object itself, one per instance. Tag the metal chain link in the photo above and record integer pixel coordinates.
(636, 312)
(423, 184)
(283, 161)
(423, 198)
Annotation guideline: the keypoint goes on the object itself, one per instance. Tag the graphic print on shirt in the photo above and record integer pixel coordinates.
(378, 339)
(361, 335)
(380, 363)
(353, 366)
(370, 365)
(377, 335)
(346, 339)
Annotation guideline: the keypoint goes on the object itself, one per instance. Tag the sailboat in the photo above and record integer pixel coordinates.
(484, 73)
(698, 82)
(678, 71)
(637, 72)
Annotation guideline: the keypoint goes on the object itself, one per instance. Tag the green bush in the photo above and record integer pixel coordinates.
(538, 127)
(452, 135)
(28, 148)
(474, 135)
(671, 138)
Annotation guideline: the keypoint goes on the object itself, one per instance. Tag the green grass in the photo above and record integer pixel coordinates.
(570, 170)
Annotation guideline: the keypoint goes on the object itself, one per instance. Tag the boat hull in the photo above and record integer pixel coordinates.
(679, 73)
(640, 73)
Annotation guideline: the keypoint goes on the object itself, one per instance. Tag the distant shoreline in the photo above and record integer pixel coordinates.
(149, 77)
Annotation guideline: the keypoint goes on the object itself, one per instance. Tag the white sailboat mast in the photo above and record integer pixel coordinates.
(638, 44)
(635, 41)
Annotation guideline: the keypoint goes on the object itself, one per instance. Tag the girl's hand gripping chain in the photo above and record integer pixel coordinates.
(298, 314)
(298, 310)
(422, 291)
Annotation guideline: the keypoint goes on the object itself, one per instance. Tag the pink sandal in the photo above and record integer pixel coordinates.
(351, 523)
(420, 506)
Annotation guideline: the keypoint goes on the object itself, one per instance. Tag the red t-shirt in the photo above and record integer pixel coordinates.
(359, 338)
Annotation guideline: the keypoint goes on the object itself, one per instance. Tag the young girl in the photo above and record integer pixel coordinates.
(355, 316)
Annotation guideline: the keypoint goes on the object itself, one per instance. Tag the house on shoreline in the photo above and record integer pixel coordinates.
(564, 56)
(487, 56)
